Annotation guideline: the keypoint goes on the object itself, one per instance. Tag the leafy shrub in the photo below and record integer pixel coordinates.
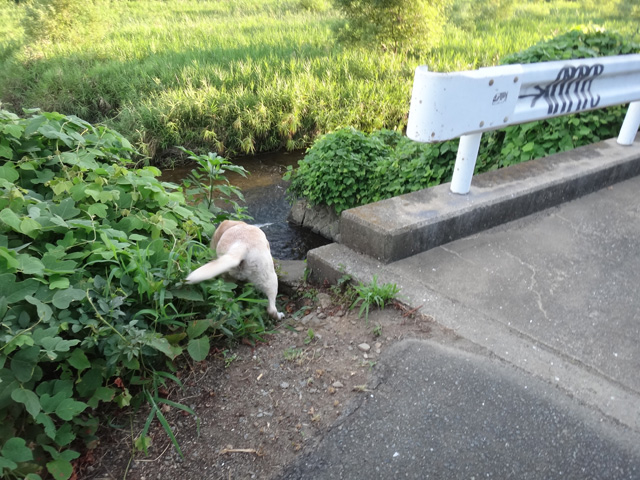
(348, 168)
(338, 169)
(55, 19)
(92, 311)
(580, 42)
(395, 22)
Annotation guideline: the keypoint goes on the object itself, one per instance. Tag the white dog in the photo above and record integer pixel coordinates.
(244, 252)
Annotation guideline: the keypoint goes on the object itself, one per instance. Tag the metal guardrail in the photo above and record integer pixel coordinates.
(466, 104)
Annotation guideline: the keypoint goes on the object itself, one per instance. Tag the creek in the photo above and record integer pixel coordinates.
(264, 193)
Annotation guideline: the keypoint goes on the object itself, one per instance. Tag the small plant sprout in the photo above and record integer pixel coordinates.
(292, 353)
(373, 294)
(377, 330)
(311, 336)
(229, 358)
(307, 273)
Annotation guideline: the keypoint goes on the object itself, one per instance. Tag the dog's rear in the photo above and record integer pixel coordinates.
(243, 251)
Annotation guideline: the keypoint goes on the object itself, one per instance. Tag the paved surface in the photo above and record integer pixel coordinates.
(553, 301)
(443, 414)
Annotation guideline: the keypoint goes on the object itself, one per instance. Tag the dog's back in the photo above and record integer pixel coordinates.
(244, 252)
(249, 244)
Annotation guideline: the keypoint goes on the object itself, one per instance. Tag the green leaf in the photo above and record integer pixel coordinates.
(16, 291)
(188, 294)
(78, 360)
(60, 469)
(10, 257)
(10, 218)
(50, 132)
(24, 362)
(29, 227)
(69, 408)
(30, 265)
(142, 443)
(52, 345)
(162, 345)
(40, 333)
(63, 298)
(52, 264)
(9, 385)
(57, 220)
(102, 394)
(16, 450)
(50, 403)
(8, 172)
(65, 434)
(98, 209)
(198, 348)
(528, 147)
(28, 399)
(3, 307)
(6, 152)
(124, 399)
(195, 328)
(89, 382)
(8, 464)
(58, 282)
(44, 311)
(65, 209)
(14, 129)
(49, 427)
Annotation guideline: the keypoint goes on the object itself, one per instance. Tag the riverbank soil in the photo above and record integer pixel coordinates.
(260, 406)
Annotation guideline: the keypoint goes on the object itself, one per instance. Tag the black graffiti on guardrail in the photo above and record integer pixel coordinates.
(573, 84)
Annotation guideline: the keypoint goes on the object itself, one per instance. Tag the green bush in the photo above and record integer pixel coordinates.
(338, 169)
(580, 42)
(92, 310)
(55, 20)
(394, 22)
(348, 168)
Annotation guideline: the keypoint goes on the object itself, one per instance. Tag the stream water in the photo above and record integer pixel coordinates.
(264, 193)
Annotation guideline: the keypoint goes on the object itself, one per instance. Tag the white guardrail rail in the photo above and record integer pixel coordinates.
(465, 104)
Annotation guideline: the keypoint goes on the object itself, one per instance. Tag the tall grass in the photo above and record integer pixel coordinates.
(247, 76)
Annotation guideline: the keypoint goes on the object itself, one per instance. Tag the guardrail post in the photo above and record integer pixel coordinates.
(465, 163)
(630, 125)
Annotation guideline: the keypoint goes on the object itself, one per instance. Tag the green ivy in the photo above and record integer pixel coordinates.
(93, 312)
(348, 168)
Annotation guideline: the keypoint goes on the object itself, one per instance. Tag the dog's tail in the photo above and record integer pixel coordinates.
(214, 268)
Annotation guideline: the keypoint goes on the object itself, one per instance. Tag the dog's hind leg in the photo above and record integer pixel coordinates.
(270, 289)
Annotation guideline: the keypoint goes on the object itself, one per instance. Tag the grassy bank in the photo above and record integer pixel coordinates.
(251, 76)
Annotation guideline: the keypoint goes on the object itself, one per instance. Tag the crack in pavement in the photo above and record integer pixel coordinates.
(533, 283)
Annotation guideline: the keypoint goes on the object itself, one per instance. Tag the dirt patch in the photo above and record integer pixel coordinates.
(260, 406)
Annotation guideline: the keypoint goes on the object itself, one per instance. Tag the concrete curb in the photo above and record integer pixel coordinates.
(403, 226)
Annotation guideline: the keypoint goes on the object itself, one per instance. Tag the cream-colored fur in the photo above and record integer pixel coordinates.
(244, 252)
